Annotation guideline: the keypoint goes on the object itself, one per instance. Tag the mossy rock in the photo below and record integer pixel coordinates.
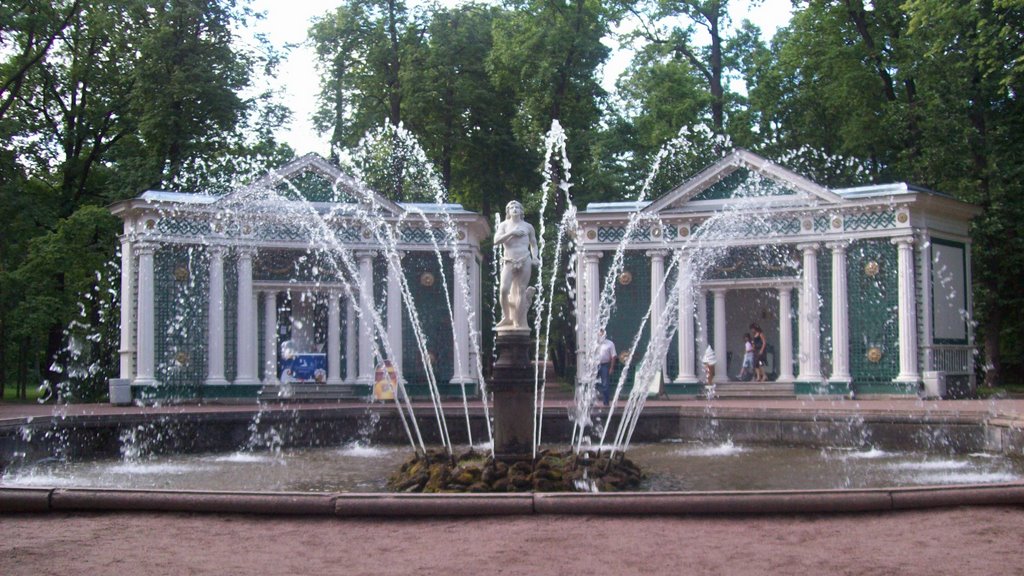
(472, 471)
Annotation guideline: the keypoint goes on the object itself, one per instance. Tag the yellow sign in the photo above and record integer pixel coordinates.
(384, 381)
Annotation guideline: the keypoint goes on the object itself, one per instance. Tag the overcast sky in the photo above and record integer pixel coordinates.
(286, 22)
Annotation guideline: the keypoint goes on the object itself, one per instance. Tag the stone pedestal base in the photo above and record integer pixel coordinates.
(120, 391)
(513, 387)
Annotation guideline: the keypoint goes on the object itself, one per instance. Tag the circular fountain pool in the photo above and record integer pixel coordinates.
(670, 466)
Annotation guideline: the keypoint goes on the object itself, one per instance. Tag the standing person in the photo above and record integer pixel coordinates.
(747, 371)
(520, 256)
(760, 346)
(606, 357)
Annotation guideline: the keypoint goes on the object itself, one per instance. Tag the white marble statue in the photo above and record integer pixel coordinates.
(520, 256)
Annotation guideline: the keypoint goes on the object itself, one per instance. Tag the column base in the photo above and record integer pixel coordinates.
(120, 391)
(907, 379)
(334, 382)
(686, 380)
(216, 382)
(246, 382)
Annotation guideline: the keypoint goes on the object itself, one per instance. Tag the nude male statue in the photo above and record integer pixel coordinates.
(520, 242)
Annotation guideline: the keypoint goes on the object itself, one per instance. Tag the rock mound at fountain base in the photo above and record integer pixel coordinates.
(472, 471)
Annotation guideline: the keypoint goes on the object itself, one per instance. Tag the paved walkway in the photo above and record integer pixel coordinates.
(1005, 409)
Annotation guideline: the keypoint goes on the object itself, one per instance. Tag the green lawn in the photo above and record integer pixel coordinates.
(9, 394)
(1013, 390)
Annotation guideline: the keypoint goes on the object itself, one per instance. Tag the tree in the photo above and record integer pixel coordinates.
(676, 29)
(102, 100)
(463, 120)
(847, 68)
(973, 132)
(547, 53)
(30, 28)
(687, 52)
(925, 92)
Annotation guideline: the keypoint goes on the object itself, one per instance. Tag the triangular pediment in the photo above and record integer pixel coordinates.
(740, 177)
(312, 178)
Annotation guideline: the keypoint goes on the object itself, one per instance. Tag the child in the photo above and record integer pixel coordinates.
(747, 371)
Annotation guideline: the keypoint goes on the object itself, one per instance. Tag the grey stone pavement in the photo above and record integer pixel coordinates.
(948, 540)
(1009, 411)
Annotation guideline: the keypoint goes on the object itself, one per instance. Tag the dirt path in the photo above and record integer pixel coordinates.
(934, 542)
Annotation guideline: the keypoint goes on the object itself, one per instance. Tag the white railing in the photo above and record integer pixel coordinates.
(953, 359)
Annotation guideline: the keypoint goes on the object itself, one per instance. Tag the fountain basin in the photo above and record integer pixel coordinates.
(96, 433)
(21, 500)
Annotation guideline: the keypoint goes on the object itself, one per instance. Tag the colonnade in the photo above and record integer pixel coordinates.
(693, 318)
(138, 324)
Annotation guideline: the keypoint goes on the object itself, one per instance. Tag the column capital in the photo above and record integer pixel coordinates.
(808, 247)
(592, 255)
(903, 240)
(216, 250)
(659, 253)
(246, 251)
(143, 247)
(458, 254)
(838, 245)
(365, 254)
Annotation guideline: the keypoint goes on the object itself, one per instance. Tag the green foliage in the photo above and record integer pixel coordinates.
(100, 101)
(924, 92)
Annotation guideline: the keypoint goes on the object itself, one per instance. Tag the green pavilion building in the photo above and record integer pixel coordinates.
(860, 291)
(266, 291)
(288, 288)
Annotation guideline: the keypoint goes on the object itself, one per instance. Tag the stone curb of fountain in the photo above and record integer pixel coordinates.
(42, 500)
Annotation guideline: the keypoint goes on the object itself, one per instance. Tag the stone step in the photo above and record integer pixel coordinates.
(309, 391)
(753, 390)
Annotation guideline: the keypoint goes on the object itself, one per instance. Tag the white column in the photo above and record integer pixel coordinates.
(658, 301)
(810, 317)
(460, 329)
(593, 262)
(395, 312)
(590, 295)
(333, 338)
(785, 335)
(145, 374)
(907, 312)
(246, 337)
(365, 317)
(350, 341)
(721, 370)
(687, 362)
(924, 279)
(702, 321)
(474, 295)
(215, 319)
(270, 337)
(126, 350)
(840, 315)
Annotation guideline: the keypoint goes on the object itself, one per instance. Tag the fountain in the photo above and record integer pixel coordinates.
(686, 237)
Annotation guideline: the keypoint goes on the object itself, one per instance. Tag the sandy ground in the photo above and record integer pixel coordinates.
(933, 542)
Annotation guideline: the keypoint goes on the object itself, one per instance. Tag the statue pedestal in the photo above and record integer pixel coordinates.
(512, 384)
